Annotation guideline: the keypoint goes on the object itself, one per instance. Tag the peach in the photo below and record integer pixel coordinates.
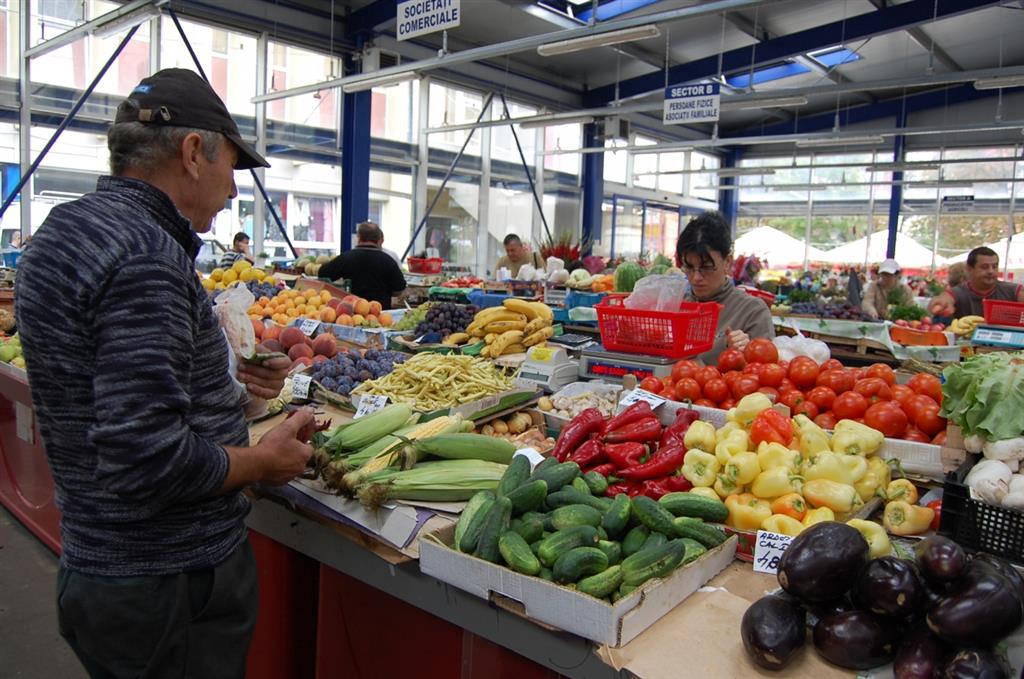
(272, 332)
(305, 361)
(334, 303)
(318, 359)
(325, 345)
(346, 308)
(257, 328)
(375, 308)
(344, 319)
(362, 307)
(291, 336)
(299, 351)
(358, 320)
(328, 315)
(271, 346)
(351, 299)
(386, 320)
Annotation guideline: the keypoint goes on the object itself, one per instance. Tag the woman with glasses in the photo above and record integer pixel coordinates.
(704, 253)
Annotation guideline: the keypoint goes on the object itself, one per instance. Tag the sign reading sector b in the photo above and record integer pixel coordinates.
(419, 17)
(691, 104)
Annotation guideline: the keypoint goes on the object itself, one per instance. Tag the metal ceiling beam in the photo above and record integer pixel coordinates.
(927, 42)
(860, 27)
(71, 35)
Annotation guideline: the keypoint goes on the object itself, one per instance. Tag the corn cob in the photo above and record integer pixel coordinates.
(366, 430)
(441, 481)
(391, 456)
(460, 446)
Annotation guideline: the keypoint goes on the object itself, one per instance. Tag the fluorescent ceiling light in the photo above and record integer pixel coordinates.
(801, 187)
(126, 21)
(723, 187)
(839, 141)
(599, 40)
(902, 167)
(744, 171)
(383, 81)
(999, 83)
(534, 124)
(770, 102)
(936, 185)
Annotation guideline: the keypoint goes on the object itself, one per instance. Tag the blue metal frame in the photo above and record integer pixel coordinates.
(615, 214)
(896, 192)
(592, 188)
(789, 69)
(366, 20)
(613, 8)
(355, 163)
(729, 201)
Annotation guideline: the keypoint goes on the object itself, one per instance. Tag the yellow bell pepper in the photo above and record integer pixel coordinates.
(901, 489)
(903, 518)
(775, 482)
(742, 468)
(724, 486)
(700, 468)
(854, 438)
(736, 442)
(700, 436)
(748, 408)
(876, 479)
(783, 525)
(704, 491)
(842, 468)
(819, 515)
(791, 504)
(726, 429)
(811, 439)
(839, 497)
(746, 512)
(878, 541)
(771, 455)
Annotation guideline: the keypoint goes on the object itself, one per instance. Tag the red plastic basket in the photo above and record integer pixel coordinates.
(1002, 312)
(676, 334)
(430, 265)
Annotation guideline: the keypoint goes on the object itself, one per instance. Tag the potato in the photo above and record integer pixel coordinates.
(500, 427)
(545, 404)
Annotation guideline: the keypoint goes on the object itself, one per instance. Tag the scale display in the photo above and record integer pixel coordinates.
(597, 362)
(999, 336)
(548, 367)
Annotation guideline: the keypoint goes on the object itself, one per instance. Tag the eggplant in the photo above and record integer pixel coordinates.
(773, 630)
(857, 640)
(941, 560)
(823, 562)
(975, 664)
(920, 656)
(821, 609)
(889, 586)
(1006, 569)
(979, 610)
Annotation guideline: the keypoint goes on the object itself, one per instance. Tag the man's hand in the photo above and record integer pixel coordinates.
(736, 339)
(265, 380)
(282, 454)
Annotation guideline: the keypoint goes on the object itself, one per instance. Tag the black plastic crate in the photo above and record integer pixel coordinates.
(979, 526)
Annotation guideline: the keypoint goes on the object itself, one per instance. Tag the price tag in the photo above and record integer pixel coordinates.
(768, 551)
(419, 340)
(541, 354)
(300, 386)
(530, 454)
(641, 395)
(309, 326)
(370, 403)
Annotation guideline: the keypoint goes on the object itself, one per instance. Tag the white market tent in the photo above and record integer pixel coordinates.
(1015, 259)
(909, 253)
(776, 247)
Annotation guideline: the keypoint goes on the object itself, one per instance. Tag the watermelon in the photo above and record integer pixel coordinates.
(657, 269)
(626, 276)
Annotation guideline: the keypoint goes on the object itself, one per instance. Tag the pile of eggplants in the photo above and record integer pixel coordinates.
(938, 616)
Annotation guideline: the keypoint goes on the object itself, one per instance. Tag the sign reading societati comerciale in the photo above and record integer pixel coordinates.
(419, 17)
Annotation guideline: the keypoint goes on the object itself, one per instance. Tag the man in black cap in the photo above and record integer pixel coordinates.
(144, 427)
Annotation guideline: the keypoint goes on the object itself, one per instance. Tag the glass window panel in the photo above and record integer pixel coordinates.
(645, 165)
(615, 162)
(628, 229)
(503, 144)
(706, 161)
(562, 211)
(232, 73)
(305, 194)
(290, 67)
(563, 137)
(395, 112)
(603, 246)
(661, 231)
(671, 162)
(451, 106)
(452, 226)
(391, 200)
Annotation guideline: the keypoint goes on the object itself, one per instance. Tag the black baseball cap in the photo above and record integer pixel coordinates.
(179, 97)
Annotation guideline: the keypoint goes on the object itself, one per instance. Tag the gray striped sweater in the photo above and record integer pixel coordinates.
(129, 375)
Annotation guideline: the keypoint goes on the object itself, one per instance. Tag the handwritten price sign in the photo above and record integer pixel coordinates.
(768, 551)
(641, 395)
(300, 386)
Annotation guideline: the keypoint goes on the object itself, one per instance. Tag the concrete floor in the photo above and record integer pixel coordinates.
(30, 646)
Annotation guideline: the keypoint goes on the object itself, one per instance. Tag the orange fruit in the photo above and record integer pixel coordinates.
(386, 320)
(375, 308)
(293, 313)
(357, 319)
(362, 307)
(328, 315)
(344, 319)
(310, 293)
(325, 296)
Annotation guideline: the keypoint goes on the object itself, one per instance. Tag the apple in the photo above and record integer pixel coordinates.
(916, 325)
(902, 323)
(926, 319)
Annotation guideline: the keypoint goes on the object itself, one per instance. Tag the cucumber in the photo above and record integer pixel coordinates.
(655, 539)
(689, 504)
(579, 562)
(475, 524)
(596, 482)
(579, 484)
(634, 540)
(694, 550)
(556, 475)
(613, 550)
(535, 546)
(546, 574)
(652, 563)
(515, 475)
(696, 529)
(517, 553)
(575, 515)
(561, 542)
(617, 516)
(625, 590)
(603, 584)
(531, 527)
(651, 514)
(544, 464)
(528, 496)
(466, 517)
(602, 534)
(495, 524)
(572, 496)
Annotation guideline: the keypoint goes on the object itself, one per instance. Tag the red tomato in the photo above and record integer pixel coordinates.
(772, 375)
(806, 408)
(929, 422)
(753, 369)
(791, 398)
(940, 439)
(831, 364)
(786, 384)
(727, 403)
(873, 389)
(928, 385)
(731, 359)
(901, 392)
(761, 350)
(859, 373)
(882, 372)
(849, 406)
(770, 392)
(826, 421)
(716, 390)
(823, 397)
(915, 434)
(706, 402)
(705, 374)
(684, 369)
(731, 377)
(836, 380)
(887, 418)
(803, 371)
(744, 384)
(917, 405)
(687, 389)
(651, 384)
(784, 365)
(667, 385)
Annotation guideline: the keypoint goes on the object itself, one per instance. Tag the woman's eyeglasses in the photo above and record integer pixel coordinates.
(704, 270)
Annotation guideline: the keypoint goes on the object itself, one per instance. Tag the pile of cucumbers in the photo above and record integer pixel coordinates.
(556, 523)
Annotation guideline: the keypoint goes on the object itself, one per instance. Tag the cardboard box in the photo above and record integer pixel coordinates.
(612, 624)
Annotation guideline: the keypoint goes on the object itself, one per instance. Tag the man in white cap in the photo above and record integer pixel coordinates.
(885, 289)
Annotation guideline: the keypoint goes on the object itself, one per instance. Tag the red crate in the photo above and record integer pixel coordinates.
(1001, 312)
(429, 265)
(676, 334)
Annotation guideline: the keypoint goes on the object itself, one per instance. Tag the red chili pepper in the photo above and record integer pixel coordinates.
(602, 469)
(589, 454)
(937, 506)
(632, 413)
(647, 429)
(655, 488)
(628, 487)
(771, 426)
(677, 430)
(625, 454)
(663, 463)
(588, 422)
(678, 483)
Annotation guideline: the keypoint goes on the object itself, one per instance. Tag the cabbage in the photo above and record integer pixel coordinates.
(580, 278)
(985, 395)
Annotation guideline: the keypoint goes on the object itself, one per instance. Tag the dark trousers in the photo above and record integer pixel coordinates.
(189, 625)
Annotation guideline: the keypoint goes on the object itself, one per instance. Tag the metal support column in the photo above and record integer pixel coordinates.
(155, 36)
(807, 228)
(419, 196)
(592, 178)
(259, 209)
(24, 119)
(1011, 228)
(538, 163)
(483, 219)
(729, 200)
(896, 194)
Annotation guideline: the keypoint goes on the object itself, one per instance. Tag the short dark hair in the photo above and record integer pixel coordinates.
(240, 237)
(705, 233)
(369, 232)
(511, 238)
(972, 256)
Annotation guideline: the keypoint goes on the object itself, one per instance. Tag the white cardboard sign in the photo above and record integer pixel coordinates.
(419, 17)
(370, 403)
(768, 551)
(685, 104)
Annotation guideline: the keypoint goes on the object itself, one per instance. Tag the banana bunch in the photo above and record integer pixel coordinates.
(512, 327)
(965, 325)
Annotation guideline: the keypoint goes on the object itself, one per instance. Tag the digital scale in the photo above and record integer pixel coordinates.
(999, 336)
(549, 367)
(598, 363)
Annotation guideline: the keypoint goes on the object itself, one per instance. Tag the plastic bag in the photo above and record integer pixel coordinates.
(527, 273)
(791, 347)
(553, 264)
(231, 307)
(658, 293)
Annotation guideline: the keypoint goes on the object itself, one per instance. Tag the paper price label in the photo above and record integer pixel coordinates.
(530, 454)
(768, 551)
(300, 386)
(541, 354)
(309, 326)
(370, 403)
(641, 395)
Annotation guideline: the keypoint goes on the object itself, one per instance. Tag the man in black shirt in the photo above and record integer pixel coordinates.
(373, 273)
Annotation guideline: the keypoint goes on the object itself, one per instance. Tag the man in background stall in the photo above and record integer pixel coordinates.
(967, 298)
